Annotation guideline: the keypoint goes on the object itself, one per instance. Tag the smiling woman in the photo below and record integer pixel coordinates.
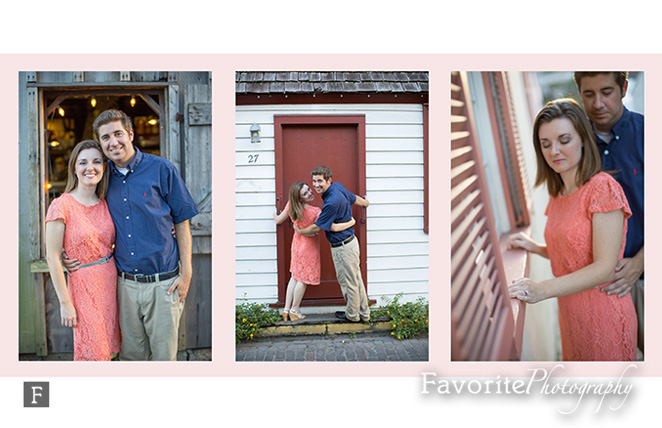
(79, 223)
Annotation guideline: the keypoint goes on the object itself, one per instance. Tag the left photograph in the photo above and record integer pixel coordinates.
(115, 216)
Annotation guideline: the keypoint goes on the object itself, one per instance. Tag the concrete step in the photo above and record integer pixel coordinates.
(323, 324)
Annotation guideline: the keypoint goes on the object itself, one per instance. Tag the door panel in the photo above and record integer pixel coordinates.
(303, 143)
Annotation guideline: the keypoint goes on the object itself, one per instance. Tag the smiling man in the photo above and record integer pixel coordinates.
(146, 197)
(620, 137)
(337, 208)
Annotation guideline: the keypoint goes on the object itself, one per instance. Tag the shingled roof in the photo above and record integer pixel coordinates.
(306, 82)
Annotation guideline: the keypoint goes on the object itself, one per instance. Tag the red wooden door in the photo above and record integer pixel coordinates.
(303, 143)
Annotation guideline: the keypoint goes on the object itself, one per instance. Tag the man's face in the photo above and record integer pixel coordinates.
(320, 184)
(603, 100)
(117, 143)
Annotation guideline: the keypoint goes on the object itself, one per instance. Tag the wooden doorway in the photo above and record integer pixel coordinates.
(303, 142)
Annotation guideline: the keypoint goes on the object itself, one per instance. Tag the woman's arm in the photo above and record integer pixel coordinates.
(524, 241)
(339, 227)
(607, 237)
(54, 240)
(279, 218)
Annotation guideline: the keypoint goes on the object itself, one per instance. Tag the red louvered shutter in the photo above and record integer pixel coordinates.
(481, 317)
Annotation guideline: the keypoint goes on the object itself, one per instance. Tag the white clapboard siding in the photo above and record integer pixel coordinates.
(255, 279)
(404, 223)
(397, 247)
(255, 253)
(388, 183)
(253, 199)
(252, 226)
(257, 266)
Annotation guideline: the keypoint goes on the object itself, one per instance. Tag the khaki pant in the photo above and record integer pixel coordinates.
(346, 259)
(149, 320)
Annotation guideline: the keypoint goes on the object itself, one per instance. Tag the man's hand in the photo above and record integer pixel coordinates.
(71, 265)
(185, 246)
(361, 201)
(628, 271)
(182, 285)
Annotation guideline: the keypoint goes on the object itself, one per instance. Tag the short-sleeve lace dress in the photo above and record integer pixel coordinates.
(88, 237)
(305, 259)
(594, 326)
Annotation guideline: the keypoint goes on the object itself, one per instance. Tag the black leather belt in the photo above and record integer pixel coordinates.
(149, 278)
(345, 242)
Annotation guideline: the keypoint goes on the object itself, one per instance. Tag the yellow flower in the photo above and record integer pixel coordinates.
(398, 337)
(415, 320)
(393, 325)
(244, 320)
(388, 312)
(392, 333)
(251, 334)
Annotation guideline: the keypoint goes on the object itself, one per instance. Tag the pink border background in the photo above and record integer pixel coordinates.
(223, 67)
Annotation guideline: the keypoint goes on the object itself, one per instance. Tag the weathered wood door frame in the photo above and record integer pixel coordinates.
(313, 119)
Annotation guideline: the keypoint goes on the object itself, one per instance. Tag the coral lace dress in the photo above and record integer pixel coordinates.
(89, 235)
(594, 326)
(305, 259)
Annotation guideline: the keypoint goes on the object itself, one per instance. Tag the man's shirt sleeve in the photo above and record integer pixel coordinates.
(177, 196)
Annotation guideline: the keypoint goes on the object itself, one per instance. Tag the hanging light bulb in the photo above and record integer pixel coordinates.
(54, 143)
(60, 110)
(93, 102)
(152, 122)
(48, 186)
(133, 101)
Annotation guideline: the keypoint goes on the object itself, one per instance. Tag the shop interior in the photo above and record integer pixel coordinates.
(68, 120)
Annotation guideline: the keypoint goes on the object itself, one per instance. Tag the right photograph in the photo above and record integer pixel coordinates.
(547, 216)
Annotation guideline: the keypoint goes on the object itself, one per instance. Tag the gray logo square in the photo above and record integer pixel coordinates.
(36, 394)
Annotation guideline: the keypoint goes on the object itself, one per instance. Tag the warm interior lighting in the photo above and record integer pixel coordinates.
(133, 101)
(48, 186)
(60, 110)
(152, 122)
(93, 102)
(54, 143)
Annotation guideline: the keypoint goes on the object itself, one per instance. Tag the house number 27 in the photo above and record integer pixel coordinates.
(253, 158)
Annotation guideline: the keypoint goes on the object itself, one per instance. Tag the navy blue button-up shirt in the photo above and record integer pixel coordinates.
(144, 204)
(625, 155)
(337, 208)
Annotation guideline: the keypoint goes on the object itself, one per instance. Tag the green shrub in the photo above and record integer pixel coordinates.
(406, 319)
(251, 317)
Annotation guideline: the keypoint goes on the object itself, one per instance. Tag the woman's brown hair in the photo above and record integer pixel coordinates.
(72, 179)
(590, 163)
(296, 204)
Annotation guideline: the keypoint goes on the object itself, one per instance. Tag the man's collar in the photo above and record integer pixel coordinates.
(135, 161)
(327, 191)
(625, 117)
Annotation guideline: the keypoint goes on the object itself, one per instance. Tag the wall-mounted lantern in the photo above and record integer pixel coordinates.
(255, 133)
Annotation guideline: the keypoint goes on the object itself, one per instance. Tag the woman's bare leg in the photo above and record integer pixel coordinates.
(299, 291)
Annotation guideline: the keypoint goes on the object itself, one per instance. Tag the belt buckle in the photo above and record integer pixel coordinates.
(143, 278)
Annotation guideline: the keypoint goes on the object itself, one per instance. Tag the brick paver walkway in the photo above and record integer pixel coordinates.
(343, 347)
